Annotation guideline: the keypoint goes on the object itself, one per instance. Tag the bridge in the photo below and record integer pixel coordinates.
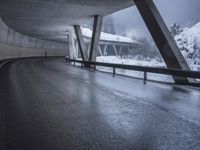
(50, 99)
(109, 44)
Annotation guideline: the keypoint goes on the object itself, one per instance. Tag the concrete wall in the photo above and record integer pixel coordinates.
(14, 44)
(7, 51)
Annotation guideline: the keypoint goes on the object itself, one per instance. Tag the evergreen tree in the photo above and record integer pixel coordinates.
(175, 29)
(108, 25)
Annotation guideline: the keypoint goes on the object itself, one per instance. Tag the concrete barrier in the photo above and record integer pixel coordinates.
(7, 51)
(14, 44)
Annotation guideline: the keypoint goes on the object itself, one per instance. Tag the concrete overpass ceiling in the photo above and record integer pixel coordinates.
(48, 19)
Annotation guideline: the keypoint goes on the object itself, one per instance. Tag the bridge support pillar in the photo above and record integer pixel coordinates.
(115, 50)
(162, 37)
(129, 51)
(72, 51)
(120, 50)
(100, 51)
(81, 43)
(97, 26)
(105, 50)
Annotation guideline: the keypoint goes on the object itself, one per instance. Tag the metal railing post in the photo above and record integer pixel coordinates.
(145, 77)
(114, 71)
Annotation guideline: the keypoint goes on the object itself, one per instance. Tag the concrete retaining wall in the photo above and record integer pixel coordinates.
(14, 44)
(7, 51)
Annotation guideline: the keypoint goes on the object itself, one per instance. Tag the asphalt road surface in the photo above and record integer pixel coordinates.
(46, 104)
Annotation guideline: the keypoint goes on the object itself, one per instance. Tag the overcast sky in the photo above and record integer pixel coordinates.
(183, 12)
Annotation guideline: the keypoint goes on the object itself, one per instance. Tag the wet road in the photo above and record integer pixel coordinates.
(46, 104)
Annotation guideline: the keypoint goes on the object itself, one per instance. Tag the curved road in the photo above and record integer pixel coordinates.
(46, 104)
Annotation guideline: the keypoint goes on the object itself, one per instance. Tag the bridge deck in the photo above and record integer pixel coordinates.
(49, 105)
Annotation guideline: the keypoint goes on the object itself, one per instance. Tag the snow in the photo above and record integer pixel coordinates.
(189, 43)
(109, 37)
(137, 74)
(119, 60)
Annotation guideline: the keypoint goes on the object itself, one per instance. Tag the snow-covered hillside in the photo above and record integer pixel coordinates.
(189, 43)
(134, 61)
(131, 61)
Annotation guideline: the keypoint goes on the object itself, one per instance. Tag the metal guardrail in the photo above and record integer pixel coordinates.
(4, 61)
(164, 71)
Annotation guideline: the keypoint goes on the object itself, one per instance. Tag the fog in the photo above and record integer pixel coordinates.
(183, 12)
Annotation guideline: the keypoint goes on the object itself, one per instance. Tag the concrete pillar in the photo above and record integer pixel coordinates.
(77, 48)
(129, 50)
(99, 49)
(115, 49)
(105, 50)
(120, 50)
(98, 21)
(81, 43)
(72, 51)
(162, 37)
(88, 48)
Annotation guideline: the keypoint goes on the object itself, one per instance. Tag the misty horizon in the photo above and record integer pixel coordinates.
(183, 12)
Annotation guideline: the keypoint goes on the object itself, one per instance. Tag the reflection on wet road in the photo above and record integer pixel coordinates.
(49, 105)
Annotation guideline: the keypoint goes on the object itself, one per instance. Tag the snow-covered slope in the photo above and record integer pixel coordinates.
(134, 61)
(109, 37)
(189, 43)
